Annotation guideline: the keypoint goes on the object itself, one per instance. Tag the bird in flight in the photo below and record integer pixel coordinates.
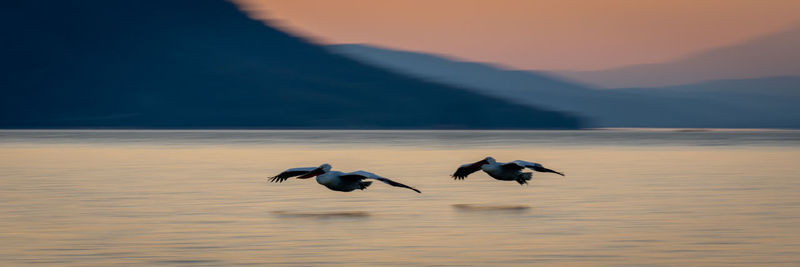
(336, 180)
(511, 171)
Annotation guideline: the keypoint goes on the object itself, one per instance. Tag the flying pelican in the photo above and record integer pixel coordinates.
(502, 171)
(336, 180)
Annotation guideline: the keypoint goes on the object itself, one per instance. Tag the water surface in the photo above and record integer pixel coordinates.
(662, 197)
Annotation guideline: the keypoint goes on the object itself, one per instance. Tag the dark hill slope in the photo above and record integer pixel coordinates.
(205, 64)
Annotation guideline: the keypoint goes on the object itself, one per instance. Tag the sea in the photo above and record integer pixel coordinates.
(629, 197)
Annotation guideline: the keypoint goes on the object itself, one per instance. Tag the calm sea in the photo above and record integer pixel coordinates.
(630, 197)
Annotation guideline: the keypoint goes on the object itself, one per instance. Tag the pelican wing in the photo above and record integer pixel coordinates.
(468, 169)
(520, 164)
(291, 173)
(360, 175)
(514, 165)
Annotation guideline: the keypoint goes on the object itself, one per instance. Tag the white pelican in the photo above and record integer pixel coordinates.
(336, 180)
(502, 171)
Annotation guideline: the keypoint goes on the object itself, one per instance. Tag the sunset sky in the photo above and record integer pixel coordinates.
(535, 34)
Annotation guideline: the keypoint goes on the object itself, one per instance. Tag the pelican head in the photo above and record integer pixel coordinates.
(490, 160)
(325, 167)
(322, 169)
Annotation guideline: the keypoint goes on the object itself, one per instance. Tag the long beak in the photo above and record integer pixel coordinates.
(310, 174)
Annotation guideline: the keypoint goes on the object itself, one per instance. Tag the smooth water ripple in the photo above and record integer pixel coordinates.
(630, 197)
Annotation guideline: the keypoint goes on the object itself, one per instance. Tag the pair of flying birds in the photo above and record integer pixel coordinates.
(349, 181)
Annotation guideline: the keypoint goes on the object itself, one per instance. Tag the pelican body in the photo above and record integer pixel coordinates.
(336, 180)
(511, 171)
(333, 180)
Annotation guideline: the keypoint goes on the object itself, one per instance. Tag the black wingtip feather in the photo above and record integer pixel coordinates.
(393, 183)
(465, 170)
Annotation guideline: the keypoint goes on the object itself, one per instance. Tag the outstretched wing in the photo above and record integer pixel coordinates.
(291, 173)
(520, 164)
(468, 169)
(514, 165)
(360, 175)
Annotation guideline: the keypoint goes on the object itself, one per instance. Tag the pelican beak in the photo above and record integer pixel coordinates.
(313, 173)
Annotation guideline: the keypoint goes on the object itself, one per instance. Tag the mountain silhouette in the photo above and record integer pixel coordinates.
(205, 64)
(761, 102)
(767, 56)
(756, 103)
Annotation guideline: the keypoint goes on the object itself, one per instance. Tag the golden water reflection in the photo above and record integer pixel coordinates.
(103, 204)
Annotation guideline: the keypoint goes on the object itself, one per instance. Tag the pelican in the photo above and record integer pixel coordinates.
(336, 180)
(511, 171)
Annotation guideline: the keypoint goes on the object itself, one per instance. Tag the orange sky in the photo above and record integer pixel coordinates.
(536, 34)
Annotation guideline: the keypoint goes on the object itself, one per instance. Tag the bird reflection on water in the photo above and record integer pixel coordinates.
(322, 215)
(476, 207)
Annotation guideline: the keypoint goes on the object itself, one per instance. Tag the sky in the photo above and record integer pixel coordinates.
(534, 34)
